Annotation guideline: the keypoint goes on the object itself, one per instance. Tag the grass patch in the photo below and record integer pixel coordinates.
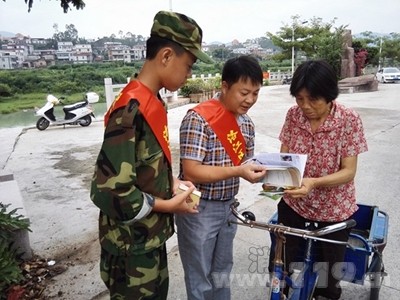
(36, 100)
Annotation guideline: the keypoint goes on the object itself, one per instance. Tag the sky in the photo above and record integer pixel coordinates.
(221, 20)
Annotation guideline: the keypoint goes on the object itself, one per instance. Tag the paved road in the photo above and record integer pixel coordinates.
(53, 170)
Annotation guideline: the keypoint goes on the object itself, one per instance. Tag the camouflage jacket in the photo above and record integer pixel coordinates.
(130, 171)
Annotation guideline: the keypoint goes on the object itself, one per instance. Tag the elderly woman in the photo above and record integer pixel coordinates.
(332, 136)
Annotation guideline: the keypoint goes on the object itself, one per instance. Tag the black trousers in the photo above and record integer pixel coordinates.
(328, 257)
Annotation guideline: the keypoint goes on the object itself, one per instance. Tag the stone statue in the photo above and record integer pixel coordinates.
(348, 67)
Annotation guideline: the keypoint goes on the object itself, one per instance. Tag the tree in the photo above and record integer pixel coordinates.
(314, 38)
(140, 38)
(382, 49)
(69, 35)
(265, 43)
(391, 49)
(222, 53)
(360, 59)
(370, 43)
(65, 4)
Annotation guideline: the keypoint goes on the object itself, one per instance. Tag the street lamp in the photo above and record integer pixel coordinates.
(380, 54)
(292, 49)
(293, 44)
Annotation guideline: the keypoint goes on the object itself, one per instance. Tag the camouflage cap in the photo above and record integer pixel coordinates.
(182, 30)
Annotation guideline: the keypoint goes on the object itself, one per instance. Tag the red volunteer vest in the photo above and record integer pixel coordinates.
(151, 108)
(225, 126)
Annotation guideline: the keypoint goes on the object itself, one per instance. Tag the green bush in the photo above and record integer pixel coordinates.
(5, 90)
(185, 91)
(193, 86)
(66, 87)
(63, 78)
(214, 83)
(10, 272)
(265, 82)
(199, 85)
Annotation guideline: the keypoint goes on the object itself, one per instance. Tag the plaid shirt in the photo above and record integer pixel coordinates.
(199, 142)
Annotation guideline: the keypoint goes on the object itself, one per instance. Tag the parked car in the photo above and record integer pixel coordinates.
(388, 75)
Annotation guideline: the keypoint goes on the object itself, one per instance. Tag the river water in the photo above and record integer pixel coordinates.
(27, 117)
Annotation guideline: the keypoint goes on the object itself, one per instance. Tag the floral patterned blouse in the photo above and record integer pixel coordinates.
(341, 135)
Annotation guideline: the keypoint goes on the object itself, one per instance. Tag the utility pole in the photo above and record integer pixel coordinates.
(292, 49)
(380, 55)
(293, 39)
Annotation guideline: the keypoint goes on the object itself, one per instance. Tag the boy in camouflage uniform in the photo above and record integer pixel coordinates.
(133, 184)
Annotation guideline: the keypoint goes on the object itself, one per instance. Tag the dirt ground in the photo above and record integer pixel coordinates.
(81, 262)
(53, 169)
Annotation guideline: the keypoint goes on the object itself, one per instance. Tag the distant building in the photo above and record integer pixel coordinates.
(82, 58)
(65, 46)
(235, 42)
(38, 41)
(36, 62)
(64, 56)
(138, 53)
(242, 51)
(82, 53)
(205, 47)
(18, 52)
(8, 61)
(79, 53)
(119, 53)
(23, 51)
(110, 45)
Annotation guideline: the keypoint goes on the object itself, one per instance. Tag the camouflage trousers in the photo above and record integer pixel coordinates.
(136, 277)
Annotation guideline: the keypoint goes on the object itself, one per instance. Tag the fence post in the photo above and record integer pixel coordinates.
(10, 193)
(108, 91)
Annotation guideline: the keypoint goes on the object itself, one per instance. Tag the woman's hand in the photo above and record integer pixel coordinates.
(307, 185)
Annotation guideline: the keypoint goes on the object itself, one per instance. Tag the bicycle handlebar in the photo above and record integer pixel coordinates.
(309, 234)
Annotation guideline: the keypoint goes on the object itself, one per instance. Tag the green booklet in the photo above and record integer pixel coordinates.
(273, 194)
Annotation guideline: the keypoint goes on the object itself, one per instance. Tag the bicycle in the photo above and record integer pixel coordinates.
(368, 237)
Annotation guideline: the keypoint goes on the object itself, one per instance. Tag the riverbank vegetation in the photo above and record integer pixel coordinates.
(28, 88)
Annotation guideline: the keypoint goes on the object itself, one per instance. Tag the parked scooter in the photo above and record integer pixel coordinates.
(287, 79)
(78, 113)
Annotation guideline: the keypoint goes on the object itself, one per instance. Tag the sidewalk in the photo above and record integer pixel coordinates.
(53, 169)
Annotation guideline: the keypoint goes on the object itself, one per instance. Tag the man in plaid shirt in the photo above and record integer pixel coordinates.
(212, 159)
